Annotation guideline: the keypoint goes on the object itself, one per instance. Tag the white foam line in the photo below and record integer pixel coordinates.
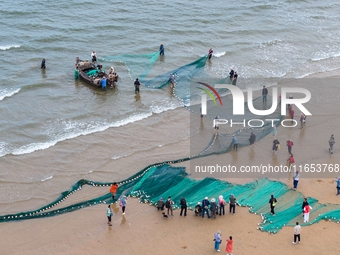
(7, 47)
(42, 146)
(47, 178)
(9, 94)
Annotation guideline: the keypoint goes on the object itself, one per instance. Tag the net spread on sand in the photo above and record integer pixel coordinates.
(163, 179)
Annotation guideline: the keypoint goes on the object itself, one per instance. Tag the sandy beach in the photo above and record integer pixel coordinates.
(143, 230)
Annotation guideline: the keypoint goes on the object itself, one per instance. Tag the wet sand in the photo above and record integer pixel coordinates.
(143, 230)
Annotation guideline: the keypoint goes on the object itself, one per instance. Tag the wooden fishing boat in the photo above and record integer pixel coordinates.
(93, 75)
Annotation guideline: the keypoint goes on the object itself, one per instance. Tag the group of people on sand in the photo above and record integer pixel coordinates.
(205, 207)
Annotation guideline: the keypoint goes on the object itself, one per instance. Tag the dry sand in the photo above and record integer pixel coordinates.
(143, 230)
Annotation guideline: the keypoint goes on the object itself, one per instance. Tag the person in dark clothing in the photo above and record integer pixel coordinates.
(198, 209)
(137, 84)
(272, 202)
(205, 207)
(210, 53)
(213, 208)
(43, 63)
(231, 74)
(234, 79)
(184, 206)
(252, 139)
(100, 66)
(161, 50)
(304, 203)
(264, 94)
(169, 205)
(275, 145)
(160, 204)
(232, 204)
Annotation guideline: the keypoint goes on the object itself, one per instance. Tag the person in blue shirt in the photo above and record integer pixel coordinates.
(338, 186)
(103, 82)
(161, 49)
(43, 63)
(217, 239)
(235, 142)
(205, 207)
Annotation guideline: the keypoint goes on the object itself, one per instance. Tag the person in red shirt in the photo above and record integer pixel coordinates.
(113, 190)
(291, 113)
(229, 248)
(289, 145)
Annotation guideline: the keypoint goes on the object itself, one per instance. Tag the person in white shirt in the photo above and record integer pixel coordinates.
(297, 231)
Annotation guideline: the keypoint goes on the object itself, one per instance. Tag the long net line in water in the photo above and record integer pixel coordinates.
(139, 65)
(163, 180)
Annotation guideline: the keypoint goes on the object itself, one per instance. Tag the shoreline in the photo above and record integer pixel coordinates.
(85, 231)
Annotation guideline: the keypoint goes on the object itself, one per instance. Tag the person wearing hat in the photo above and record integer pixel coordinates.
(198, 209)
(112, 70)
(161, 49)
(160, 204)
(213, 208)
(331, 142)
(235, 142)
(94, 57)
(205, 207)
(218, 240)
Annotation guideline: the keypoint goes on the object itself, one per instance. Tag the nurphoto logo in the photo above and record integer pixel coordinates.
(239, 103)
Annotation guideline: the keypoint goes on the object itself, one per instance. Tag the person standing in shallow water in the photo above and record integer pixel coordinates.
(234, 79)
(210, 53)
(43, 63)
(161, 49)
(231, 74)
(137, 84)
